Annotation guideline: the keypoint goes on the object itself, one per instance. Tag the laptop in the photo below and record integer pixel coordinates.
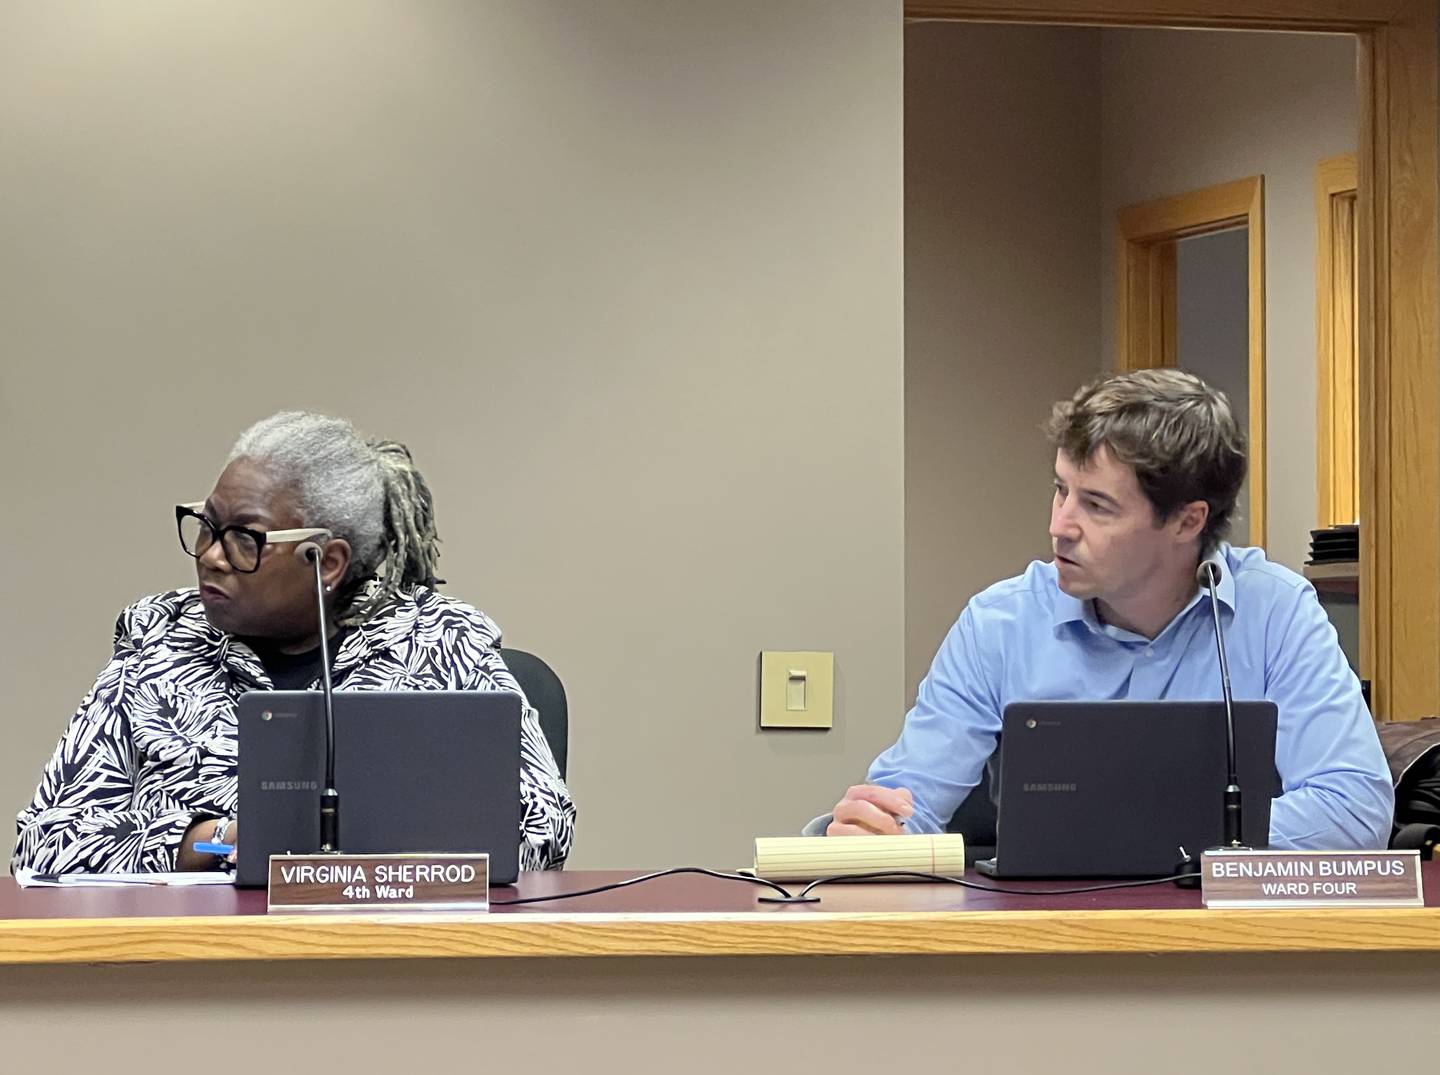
(1115, 789)
(423, 771)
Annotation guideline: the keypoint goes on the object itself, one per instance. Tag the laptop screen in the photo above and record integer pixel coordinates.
(1116, 789)
(421, 771)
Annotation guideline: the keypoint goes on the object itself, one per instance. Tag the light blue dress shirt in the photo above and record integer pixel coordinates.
(1025, 640)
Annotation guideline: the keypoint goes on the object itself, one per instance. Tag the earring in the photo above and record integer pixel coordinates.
(328, 587)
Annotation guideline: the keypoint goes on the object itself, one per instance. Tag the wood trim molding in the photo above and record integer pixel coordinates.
(1145, 295)
(1399, 338)
(1167, 284)
(1195, 212)
(1315, 16)
(1398, 265)
(1145, 288)
(1337, 468)
(314, 937)
(1259, 425)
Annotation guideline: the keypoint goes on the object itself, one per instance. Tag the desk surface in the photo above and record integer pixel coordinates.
(686, 916)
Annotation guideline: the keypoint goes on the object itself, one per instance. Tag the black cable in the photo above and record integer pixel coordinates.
(989, 888)
(786, 895)
(804, 896)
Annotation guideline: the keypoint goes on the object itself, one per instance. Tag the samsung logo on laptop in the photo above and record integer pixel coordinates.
(289, 785)
(1047, 787)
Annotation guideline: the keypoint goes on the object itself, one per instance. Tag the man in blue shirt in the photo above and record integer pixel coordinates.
(1148, 467)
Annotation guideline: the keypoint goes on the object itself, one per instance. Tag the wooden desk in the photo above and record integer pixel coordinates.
(686, 916)
(1129, 980)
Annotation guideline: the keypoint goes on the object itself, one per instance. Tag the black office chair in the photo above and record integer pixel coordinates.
(975, 820)
(1412, 750)
(547, 694)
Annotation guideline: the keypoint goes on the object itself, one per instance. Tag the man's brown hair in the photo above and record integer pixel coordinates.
(1177, 433)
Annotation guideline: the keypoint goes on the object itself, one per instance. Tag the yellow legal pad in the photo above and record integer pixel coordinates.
(809, 858)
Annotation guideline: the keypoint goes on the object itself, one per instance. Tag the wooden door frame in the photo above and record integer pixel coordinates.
(1335, 371)
(1145, 295)
(1398, 209)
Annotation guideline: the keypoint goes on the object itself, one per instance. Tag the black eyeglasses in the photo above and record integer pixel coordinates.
(241, 545)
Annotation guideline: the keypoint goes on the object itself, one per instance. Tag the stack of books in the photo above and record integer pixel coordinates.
(1335, 545)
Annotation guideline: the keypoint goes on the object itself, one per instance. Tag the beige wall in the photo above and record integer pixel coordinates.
(627, 277)
(1186, 110)
(1002, 307)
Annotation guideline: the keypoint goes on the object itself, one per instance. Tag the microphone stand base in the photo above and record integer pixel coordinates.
(1187, 873)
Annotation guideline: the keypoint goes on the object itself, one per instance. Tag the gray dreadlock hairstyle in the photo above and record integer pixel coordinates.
(365, 491)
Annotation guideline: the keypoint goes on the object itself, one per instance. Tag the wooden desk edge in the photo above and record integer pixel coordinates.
(276, 937)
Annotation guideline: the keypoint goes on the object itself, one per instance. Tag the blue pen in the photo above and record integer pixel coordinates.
(215, 849)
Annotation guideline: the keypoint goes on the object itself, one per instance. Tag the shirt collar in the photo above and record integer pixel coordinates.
(384, 630)
(1225, 588)
(1069, 609)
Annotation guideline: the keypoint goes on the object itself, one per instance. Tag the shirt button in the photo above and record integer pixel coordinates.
(1149, 652)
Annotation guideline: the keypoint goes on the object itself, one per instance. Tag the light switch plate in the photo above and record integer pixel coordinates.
(788, 677)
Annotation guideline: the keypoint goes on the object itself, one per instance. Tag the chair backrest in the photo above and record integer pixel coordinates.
(976, 819)
(547, 694)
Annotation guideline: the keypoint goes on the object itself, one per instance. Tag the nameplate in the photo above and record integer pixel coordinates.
(1311, 879)
(379, 883)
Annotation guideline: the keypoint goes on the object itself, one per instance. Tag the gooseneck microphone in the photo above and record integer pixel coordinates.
(1208, 574)
(329, 797)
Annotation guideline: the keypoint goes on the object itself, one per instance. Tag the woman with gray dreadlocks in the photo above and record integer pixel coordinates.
(146, 768)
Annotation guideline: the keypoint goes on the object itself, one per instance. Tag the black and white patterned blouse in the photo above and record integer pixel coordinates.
(153, 746)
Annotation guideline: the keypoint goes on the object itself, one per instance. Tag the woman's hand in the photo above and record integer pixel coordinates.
(188, 859)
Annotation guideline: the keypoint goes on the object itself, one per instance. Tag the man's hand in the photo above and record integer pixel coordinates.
(870, 810)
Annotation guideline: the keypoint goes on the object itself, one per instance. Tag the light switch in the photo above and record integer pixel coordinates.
(797, 689)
